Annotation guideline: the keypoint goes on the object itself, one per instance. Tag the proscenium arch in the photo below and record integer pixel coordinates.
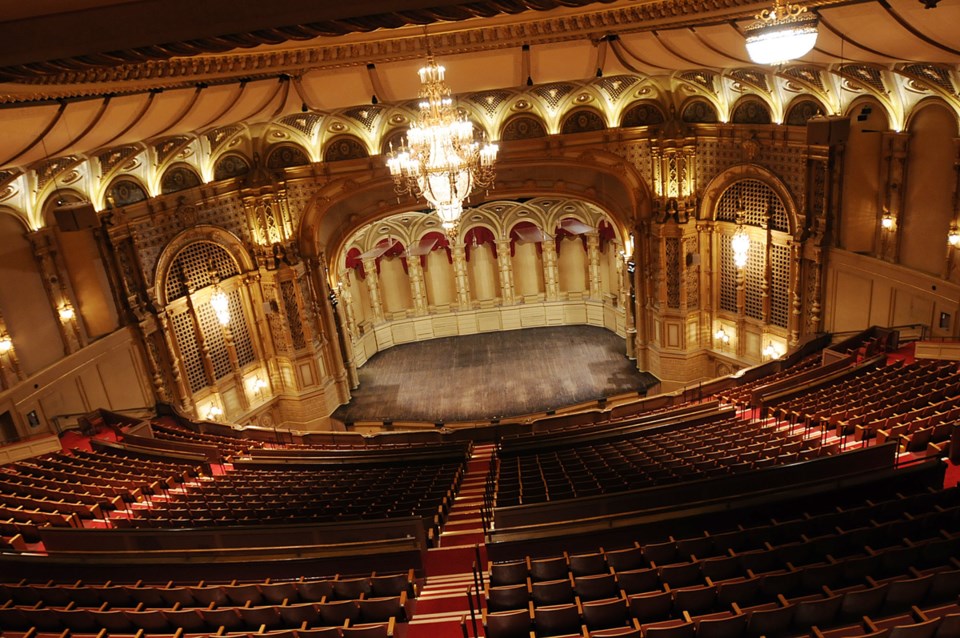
(609, 181)
(719, 184)
(203, 233)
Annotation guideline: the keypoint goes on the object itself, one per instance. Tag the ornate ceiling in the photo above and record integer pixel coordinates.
(164, 78)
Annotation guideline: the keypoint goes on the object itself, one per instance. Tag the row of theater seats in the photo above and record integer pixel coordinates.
(881, 558)
(874, 394)
(230, 446)
(647, 459)
(59, 489)
(309, 495)
(151, 610)
(740, 395)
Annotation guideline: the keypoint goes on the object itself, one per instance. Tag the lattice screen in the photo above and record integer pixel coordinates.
(728, 275)
(289, 294)
(779, 285)
(238, 328)
(754, 274)
(193, 263)
(757, 198)
(189, 352)
(213, 339)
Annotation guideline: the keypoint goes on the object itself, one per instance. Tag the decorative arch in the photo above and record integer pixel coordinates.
(230, 165)
(720, 184)
(582, 120)
(282, 156)
(523, 127)
(802, 109)
(344, 147)
(699, 111)
(751, 110)
(394, 139)
(179, 177)
(926, 103)
(124, 191)
(230, 245)
(644, 113)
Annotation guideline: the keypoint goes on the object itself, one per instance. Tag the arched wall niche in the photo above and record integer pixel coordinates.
(862, 208)
(928, 199)
(204, 233)
(721, 183)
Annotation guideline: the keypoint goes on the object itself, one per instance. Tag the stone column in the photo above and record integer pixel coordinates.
(550, 272)
(373, 285)
(186, 396)
(795, 325)
(460, 274)
(593, 261)
(505, 266)
(417, 289)
(56, 285)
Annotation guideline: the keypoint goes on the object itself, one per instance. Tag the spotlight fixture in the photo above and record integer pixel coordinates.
(783, 33)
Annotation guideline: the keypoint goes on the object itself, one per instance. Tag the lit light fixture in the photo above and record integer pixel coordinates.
(66, 312)
(6, 344)
(258, 385)
(740, 241)
(214, 412)
(441, 159)
(887, 221)
(953, 237)
(220, 305)
(721, 336)
(772, 351)
(783, 33)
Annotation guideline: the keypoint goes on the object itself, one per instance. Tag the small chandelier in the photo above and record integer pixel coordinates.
(440, 158)
(783, 33)
(740, 241)
(218, 299)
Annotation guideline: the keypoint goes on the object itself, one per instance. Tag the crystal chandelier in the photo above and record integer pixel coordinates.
(440, 158)
(781, 34)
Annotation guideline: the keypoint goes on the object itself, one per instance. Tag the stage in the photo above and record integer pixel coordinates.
(493, 375)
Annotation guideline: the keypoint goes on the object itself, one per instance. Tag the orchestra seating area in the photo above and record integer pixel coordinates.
(742, 512)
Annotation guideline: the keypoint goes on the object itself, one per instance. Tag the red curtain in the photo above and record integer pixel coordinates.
(396, 250)
(353, 261)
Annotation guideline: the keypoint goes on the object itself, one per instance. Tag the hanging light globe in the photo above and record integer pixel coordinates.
(781, 34)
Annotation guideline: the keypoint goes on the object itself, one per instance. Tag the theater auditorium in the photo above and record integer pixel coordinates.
(490, 318)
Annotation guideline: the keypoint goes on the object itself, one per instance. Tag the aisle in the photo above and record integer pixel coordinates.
(443, 601)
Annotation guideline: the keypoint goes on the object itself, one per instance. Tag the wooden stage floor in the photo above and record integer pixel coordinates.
(493, 375)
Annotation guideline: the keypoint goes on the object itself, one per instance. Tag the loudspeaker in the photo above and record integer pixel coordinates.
(74, 216)
(827, 131)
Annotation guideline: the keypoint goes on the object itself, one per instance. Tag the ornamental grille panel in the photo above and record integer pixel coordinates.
(289, 294)
(189, 352)
(728, 275)
(757, 197)
(672, 249)
(753, 274)
(238, 327)
(779, 285)
(213, 339)
(193, 264)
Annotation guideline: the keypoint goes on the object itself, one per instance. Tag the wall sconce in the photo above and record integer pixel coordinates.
(887, 221)
(722, 337)
(258, 385)
(214, 412)
(6, 344)
(953, 237)
(66, 312)
(627, 253)
(772, 351)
